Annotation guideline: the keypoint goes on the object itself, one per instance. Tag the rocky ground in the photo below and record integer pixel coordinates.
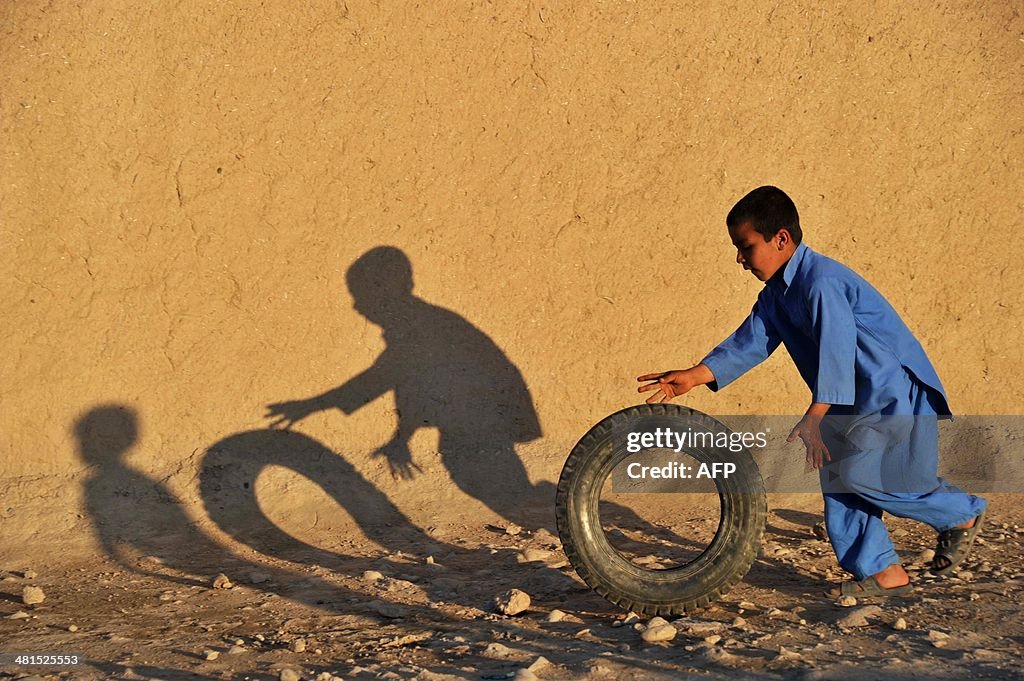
(430, 613)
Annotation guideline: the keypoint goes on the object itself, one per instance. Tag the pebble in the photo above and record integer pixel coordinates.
(712, 639)
(73, 628)
(29, 574)
(787, 654)
(221, 581)
(900, 624)
(558, 616)
(372, 576)
(819, 531)
(664, 632)
(289, 675)
(20, 615)
(298, 645)
(859, 616)
(540, 663)
(630, 618)
(512, 602)
(236, 650)
(32, 595)
(498, 651)
(702, 628)
(739, 623)
(210, 655)
(938, 639)
(925, 557)
(847, 601)
(512, 529)
(533, 556)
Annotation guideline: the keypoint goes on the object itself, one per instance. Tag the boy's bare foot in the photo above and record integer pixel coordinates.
(892, 577)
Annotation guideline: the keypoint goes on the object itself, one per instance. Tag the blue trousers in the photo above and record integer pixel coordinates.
(888, 468)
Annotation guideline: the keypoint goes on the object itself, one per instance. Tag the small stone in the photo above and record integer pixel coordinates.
(512, 602)
(747, 605)
(73, 628)
(221, 581)
(210, 655)
(847, 601)
(236, 650)
(925, 557)
(372, 576)
(298, 645)
(712, 639)
(557, 616)
(787, 654)
(659, 632)
(289, 675)
(540, 663)
(512, 529)
(656, 621)
(29, 574)
(32, 595)
(938, 639)
(20, 615)
(819, 531)
(900, 624)
(739, 623)
(859, 616)
(533, 556)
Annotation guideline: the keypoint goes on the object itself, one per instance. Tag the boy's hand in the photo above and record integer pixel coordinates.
(809, 430)
(669, 384)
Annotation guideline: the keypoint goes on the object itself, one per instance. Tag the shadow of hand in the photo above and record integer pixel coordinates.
(399, 460)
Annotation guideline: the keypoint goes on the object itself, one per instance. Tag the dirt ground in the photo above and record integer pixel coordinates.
(430, 613)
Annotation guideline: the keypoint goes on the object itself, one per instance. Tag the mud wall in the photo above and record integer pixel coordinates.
(189, 196)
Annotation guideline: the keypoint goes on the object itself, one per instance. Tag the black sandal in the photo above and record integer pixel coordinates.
(867, 588)
(954, 545)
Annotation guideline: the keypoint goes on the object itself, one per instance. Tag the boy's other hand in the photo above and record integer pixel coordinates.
(287, 414)
(668, 384)
(809, 431)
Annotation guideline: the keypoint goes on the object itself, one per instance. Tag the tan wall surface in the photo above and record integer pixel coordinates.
(184, 188)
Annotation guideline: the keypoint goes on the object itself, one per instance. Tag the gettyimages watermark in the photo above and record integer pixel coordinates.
(874, 452)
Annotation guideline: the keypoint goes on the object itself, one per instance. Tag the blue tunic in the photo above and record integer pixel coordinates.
(849, 344)
(855, 353)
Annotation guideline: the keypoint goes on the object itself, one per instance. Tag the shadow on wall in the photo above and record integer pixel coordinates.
(445, 374)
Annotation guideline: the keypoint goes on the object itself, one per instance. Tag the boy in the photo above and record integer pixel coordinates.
(862, 364)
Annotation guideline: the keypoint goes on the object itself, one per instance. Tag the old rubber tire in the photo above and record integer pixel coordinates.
(677, 590)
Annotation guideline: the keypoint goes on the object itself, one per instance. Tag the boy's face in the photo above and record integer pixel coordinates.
(762, 258)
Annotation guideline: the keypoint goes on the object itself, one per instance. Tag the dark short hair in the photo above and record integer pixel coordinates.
(768, 210)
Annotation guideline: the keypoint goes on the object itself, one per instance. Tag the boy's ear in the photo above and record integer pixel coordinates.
(784, 237)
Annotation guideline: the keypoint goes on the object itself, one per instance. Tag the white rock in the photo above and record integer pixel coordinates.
(298, 645)
(289, 675)
(540, 663)
(847, 601)
(512, 602)
(372, 576)
(661, 632)
(29, 574)
(73, 628)
(210, 655)
(221, 581)
(557, 616)
(20, 615)
(32, 595)
(900, 624)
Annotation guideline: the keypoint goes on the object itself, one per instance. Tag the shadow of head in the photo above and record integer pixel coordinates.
(380, 282)
(105, 432)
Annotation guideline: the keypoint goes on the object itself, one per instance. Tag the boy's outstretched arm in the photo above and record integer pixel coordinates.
(671, 384)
